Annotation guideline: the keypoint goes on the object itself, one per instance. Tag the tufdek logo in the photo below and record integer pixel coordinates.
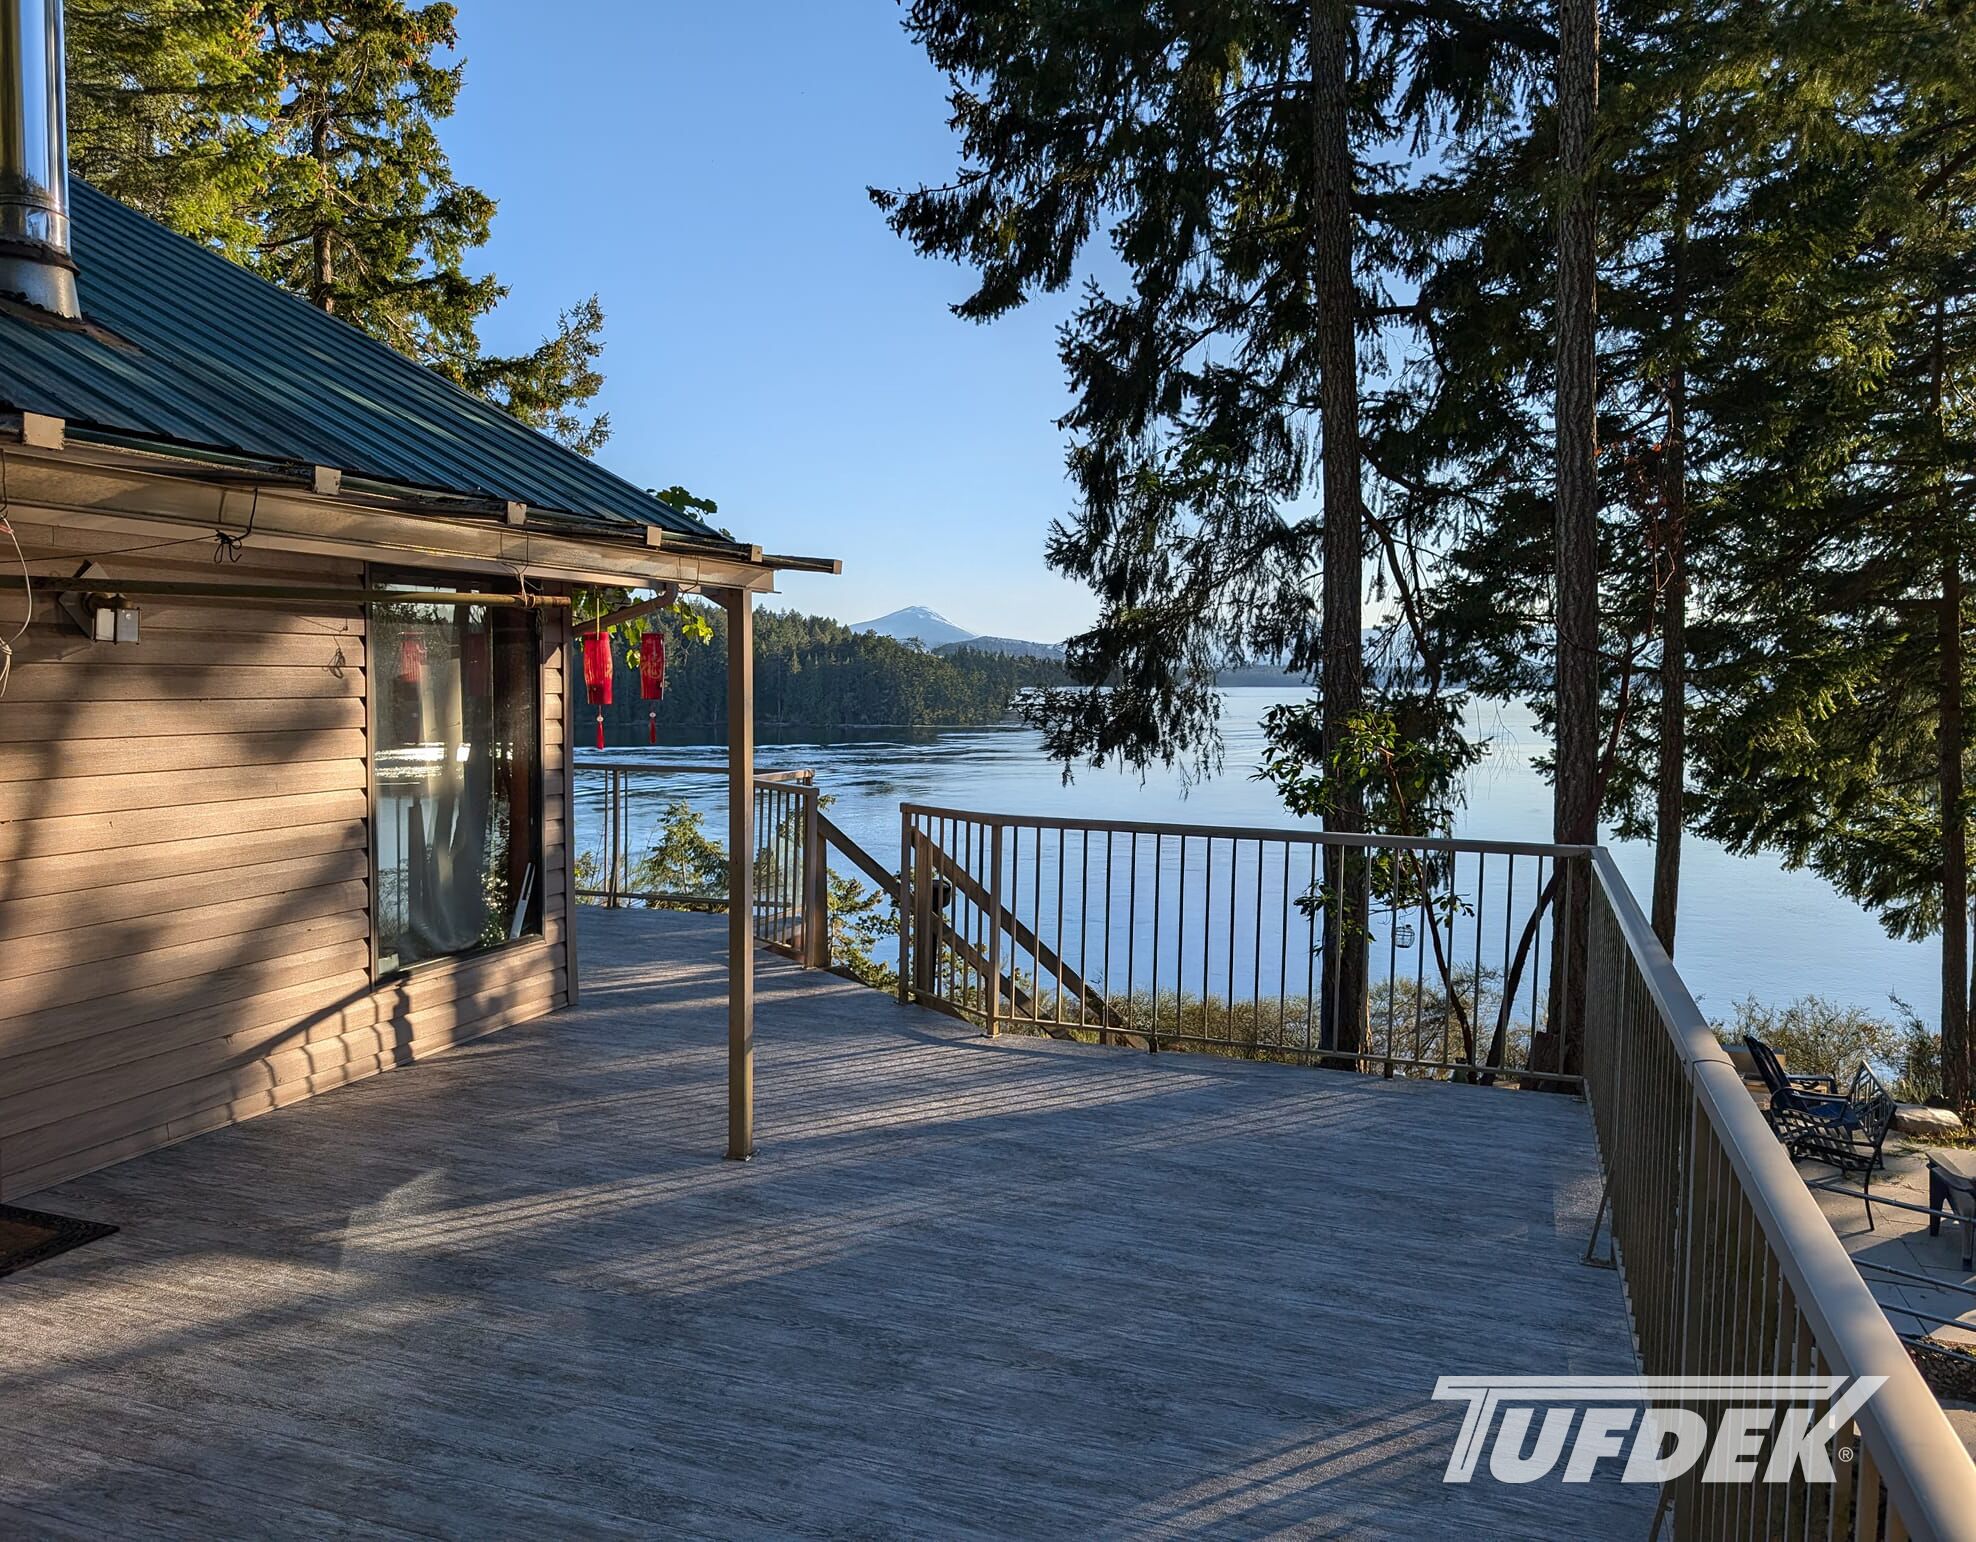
(1749, 1428)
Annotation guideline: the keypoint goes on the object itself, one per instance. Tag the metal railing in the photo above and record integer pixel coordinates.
(1244, 941)
(788, 855)
(1236, 941)
(794, 842)
(1730, 1266)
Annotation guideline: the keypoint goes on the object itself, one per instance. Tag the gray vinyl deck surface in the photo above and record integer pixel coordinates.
(968, 1288)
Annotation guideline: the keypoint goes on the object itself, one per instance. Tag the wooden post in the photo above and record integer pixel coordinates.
(740, 875)
(925, 955)
(614, 826)
(558, 627)
(905, 904)
(816, 887)
(994, 982)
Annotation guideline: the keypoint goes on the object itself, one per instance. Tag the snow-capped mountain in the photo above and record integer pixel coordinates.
(917, 624)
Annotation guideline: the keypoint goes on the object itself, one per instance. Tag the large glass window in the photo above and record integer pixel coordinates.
(458, 754)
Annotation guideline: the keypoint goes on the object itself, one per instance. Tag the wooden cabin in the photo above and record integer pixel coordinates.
(285, 740)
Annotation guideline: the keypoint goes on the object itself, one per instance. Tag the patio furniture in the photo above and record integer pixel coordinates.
(1952, 1192)
(1770, 1071)
(1845, 1133)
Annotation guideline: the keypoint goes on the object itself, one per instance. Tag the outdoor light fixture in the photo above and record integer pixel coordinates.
(114, 621)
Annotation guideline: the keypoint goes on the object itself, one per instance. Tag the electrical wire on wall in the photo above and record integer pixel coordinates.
(227, 546)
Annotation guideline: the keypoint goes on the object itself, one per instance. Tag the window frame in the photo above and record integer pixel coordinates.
(378, 576)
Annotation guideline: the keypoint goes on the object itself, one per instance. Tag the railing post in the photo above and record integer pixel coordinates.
(816, 886)
(926, 965)
(994, 1002)
(905, 903)
(613, 815)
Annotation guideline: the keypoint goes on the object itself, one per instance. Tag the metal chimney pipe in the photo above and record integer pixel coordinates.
(35, 264)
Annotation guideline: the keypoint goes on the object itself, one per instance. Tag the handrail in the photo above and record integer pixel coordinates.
(1683, 1018)
(793, 840)
(1928, 1474)
(945, 870)
(689, 768)
(1257, 832)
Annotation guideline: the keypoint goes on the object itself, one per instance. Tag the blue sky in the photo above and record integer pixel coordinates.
(771, 345)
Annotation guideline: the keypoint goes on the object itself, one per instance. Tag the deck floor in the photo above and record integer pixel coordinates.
(967, 1288)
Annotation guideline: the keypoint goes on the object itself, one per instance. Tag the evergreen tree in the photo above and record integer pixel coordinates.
(166, 104)
(548, 386)
(1467, 447)
(1236, 160)
(364, 217)
(1575, 663)
(1836, 730)
(301, 137)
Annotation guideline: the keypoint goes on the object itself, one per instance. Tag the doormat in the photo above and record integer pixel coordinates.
(28, 1237)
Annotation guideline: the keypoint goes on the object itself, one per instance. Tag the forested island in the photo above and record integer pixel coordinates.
(813, 672)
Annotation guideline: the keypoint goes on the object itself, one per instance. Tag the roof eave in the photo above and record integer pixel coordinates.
(81, 476)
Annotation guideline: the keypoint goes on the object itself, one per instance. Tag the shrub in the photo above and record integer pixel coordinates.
(1814, 1034)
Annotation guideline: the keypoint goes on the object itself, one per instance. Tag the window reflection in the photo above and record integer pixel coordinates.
(457, 767)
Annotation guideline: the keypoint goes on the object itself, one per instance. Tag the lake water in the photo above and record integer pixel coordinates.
(1748, 927)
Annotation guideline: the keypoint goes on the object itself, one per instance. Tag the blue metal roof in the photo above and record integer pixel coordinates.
(187, 348)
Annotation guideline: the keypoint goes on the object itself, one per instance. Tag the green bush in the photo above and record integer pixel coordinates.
(1814, 1034)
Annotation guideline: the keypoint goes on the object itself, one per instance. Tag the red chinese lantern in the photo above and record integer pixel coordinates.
(652, 666)
(597, 674)
(597, 668)
(411, 660)
(652, 677)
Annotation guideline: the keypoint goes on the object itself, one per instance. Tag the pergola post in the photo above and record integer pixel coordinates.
(740, 875)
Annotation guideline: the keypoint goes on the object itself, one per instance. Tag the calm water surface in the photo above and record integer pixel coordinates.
(1748, 928)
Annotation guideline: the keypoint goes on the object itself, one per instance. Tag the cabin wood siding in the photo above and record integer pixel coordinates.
(185, 917)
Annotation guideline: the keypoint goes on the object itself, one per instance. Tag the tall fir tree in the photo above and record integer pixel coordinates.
(1237, 160)
(301, 137)
(167, 105)
(1836, 728)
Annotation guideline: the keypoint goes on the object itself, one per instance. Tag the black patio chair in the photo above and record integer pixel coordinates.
(1845, 1133)
(1777, 1081)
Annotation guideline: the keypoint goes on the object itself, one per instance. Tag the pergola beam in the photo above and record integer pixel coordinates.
(667, 594)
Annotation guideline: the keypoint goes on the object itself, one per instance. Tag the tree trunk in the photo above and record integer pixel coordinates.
(1671, 772)
(1341, 677)
(322, 253)
(1949, 742)
(1575, 812)
(1956, 1067)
